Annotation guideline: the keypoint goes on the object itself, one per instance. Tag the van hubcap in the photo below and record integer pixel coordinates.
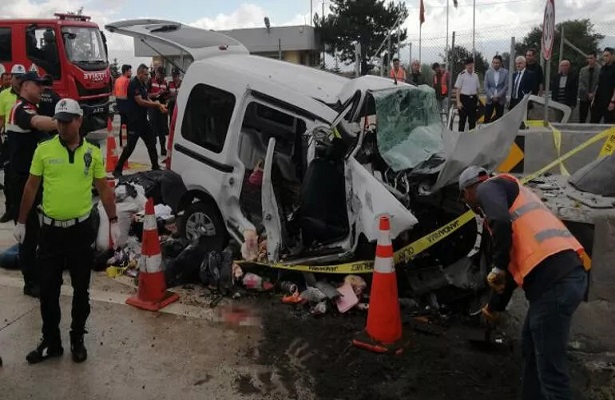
(199, 224)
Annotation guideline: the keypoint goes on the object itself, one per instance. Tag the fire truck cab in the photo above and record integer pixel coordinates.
(71, 49)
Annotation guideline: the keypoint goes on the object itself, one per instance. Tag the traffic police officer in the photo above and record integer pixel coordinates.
(467, 86)
(68, 165)
(531, 248)
(25, 129)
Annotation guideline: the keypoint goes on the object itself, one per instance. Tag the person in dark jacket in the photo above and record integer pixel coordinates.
(49, 98)
(565, 85)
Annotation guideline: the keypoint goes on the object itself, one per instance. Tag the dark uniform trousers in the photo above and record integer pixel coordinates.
(136, 130)
(160, 126)
(600, 110)
(468, 112)
(69, 248)
(27, 249)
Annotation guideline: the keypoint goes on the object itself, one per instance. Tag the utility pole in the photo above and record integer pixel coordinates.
(311, 12)
(473, 29)
(323, 45)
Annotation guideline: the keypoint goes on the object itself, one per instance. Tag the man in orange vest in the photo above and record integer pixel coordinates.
(121, 95)
(440, 85)
(532, 248)
(398, 73)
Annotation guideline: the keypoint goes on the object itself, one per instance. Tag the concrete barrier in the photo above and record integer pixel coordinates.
(538, 147)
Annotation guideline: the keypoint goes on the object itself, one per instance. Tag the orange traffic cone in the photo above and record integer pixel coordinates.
(112, 157)
(109, 125)
(152, 294)
(383, 333)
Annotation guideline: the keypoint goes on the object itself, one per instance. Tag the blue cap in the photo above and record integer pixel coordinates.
(33, 77)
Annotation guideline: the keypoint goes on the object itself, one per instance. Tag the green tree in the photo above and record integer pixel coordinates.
(458, 55)
(115, 69)
(579, 32)
(364, 21)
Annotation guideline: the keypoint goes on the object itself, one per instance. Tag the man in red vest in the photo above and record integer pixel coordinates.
(532, 248)
(158, 90)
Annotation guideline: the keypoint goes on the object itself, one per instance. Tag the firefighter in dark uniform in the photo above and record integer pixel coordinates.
(25, 129)
(137, 104)
(467, 86)
(68, 165)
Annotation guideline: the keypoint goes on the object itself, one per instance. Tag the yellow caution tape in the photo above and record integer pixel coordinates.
(609, 145)
(557, 141)
(410, 251)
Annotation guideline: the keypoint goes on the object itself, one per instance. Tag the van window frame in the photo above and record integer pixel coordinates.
(187, 122)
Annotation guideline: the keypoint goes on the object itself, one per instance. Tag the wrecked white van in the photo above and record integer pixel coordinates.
(309, 158)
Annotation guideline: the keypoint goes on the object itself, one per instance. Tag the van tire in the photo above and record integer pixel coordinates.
(205, 217)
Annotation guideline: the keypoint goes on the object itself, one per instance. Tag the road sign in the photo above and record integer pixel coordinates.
(548, 30)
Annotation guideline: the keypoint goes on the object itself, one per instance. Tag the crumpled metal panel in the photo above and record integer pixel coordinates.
(487, 146)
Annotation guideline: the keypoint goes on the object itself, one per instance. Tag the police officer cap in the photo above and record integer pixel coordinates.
(32, 77)
(469, 60)
(471, 175)
(18, 69)
(67, 110)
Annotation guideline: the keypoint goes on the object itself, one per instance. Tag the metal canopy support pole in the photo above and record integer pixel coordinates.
(511, 65)
(473, 29)
(547, 81)
(451, 64)
(562, 39)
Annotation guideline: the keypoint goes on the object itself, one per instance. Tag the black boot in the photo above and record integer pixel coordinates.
(80, 354)
(32, 290)
(46, 349)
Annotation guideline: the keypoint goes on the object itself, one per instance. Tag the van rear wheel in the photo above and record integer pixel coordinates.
(203, 219)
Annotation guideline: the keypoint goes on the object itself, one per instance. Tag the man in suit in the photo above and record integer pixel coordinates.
(588, 83)
(496, 87)
(564, 86)
(523, 82)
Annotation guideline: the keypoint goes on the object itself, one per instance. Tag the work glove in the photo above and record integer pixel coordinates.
(497, 280)
(19, 232)
(491, 317)
(115, 233)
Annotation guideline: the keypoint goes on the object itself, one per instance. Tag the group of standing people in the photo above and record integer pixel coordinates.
(143, 102)
(439, 80)
(593, 88)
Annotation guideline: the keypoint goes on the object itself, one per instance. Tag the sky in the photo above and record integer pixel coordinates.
(496, 20)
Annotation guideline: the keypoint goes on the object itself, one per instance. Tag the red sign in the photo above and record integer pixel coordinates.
(548, 30)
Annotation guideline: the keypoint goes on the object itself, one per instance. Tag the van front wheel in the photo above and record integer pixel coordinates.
(203, 219)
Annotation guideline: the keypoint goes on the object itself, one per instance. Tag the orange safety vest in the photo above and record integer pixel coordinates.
(121, 87)
(443, 83)
(400, 74)
(537, 233)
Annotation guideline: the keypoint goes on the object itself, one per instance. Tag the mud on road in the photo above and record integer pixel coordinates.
(313, 358)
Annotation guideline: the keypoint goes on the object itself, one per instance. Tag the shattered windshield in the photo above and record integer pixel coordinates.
(409, 126)
(83, 45)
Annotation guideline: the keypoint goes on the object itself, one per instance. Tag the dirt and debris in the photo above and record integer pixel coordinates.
(440, 365)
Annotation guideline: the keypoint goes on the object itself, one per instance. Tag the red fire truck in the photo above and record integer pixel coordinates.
(70, 48)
